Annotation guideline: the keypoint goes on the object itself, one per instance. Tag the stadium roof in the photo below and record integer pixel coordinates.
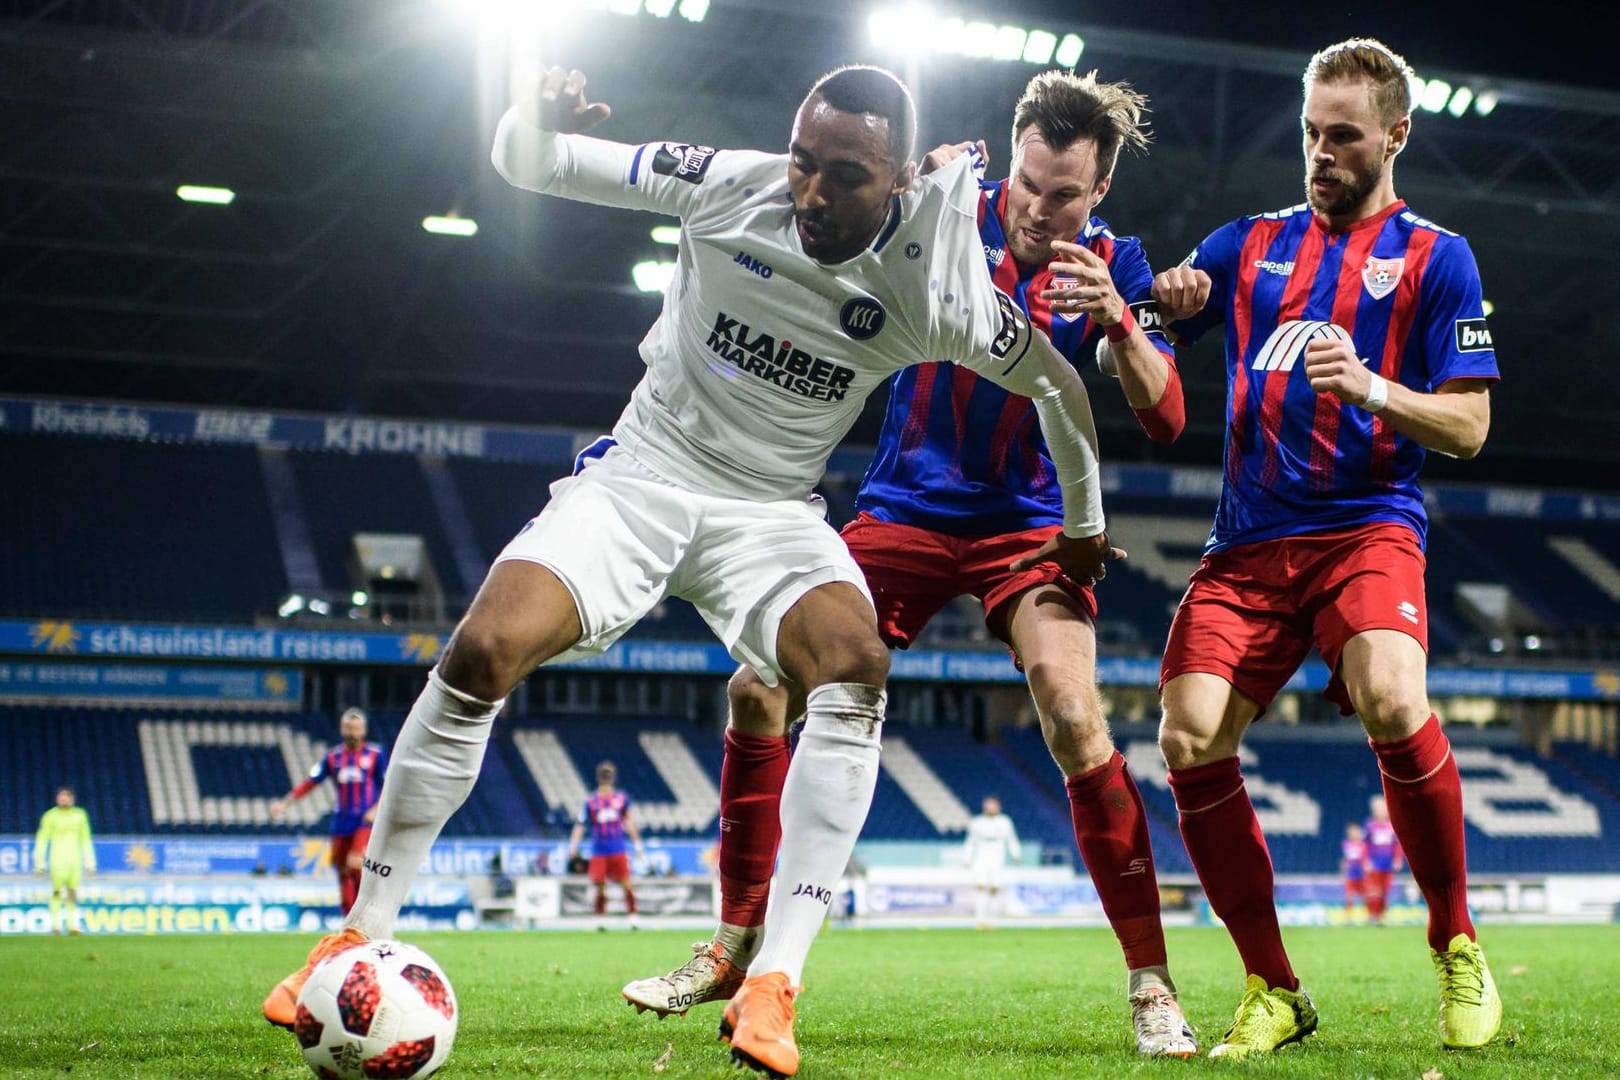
(340, 126)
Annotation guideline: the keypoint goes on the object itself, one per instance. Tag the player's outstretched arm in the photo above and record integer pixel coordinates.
(1025, 362)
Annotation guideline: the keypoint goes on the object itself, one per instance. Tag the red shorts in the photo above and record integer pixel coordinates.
(913, 573)
(610, 868)
(353, 844)
(1354, 888)
(1379, 882)
(1252, 613)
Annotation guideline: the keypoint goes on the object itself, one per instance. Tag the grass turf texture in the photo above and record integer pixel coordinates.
(934, 1004)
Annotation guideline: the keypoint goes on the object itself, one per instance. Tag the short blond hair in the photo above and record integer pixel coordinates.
(1367, 58)
(1066, 108)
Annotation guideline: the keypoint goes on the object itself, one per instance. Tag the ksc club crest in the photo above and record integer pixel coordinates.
(1382, 275)
(862, 318)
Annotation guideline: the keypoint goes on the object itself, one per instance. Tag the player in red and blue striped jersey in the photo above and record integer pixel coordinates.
(1353, 866)
(961, 487)
(606, 814)
(1355, 342)
(356, 769)
(1383, 857)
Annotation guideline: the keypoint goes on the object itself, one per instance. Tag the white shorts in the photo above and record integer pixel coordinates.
(987, 875)
(621, 538)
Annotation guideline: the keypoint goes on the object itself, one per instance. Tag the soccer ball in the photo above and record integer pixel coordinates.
(382, 1009)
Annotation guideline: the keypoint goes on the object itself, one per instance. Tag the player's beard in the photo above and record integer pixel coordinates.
(1351, 192)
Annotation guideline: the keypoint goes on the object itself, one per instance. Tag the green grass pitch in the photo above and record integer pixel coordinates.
(913, 1003)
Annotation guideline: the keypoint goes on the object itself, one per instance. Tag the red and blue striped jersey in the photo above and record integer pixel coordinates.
(358, 777)
(1355, 858)
(958, 454)
(605, 815)
(1383, 849)
(1403, 290)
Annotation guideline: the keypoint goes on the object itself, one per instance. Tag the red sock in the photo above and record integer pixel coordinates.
(1110, 828)
(1229, 852)
(601, 899)
(629, 899)
(751, 780)
(1424, 794)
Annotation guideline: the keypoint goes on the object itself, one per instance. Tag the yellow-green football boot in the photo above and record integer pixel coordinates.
(1470, 1010)
(1265, 1020)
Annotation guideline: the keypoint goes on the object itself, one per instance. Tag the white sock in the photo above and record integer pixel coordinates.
(431, 771)
(1146, 980)
(824, 804)
(739, 942)
(981, 904)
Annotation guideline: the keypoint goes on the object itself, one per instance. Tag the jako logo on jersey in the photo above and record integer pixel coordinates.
(748, 262)
(1283, 268)
(792, 369)
(1147, 316)
(1473, 335)
(1381, 276)
(1287, 343)
(683, 161)
(862, 318)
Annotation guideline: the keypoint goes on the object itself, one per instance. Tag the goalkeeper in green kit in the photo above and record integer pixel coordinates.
(63, 843)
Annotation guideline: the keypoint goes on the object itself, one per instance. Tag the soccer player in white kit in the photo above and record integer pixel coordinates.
(991, 843)
(803, 281)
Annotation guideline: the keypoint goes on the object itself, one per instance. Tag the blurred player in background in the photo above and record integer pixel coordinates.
(63, 844)
(607, 814)
(1355, 341)
(991, 842)
(1383, 857)
(1353, 866)
(961, 484)
(356, 769)
(803, 281)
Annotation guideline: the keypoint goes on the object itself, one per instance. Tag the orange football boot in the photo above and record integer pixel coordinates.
(281, 1007)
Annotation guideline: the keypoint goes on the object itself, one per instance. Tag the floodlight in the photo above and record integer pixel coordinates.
(666, 234)
(1435, 95)
(660, 8)
(359, 598)
(1038, 49)
(291, 606)
(979, 39)
(320, 607)
(218, 196)
(1008, 43)
(1488, 307)
(1460, 100)
(1485, 103)
(450, 226)
(1069, 50)
(653, 275)
(694, 10)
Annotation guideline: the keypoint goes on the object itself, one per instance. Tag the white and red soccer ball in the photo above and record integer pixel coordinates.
(382, 1009)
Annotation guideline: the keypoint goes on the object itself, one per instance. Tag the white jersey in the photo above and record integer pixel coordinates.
(762, 358)
(991, 843)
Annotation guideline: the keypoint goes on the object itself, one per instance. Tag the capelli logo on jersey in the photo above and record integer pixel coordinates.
(1286, 344)
(994, 254)
(763, 356)
(1282, 269)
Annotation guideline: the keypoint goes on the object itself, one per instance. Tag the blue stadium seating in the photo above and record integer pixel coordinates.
(99, 752)
(105, 528)
(348, 493)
